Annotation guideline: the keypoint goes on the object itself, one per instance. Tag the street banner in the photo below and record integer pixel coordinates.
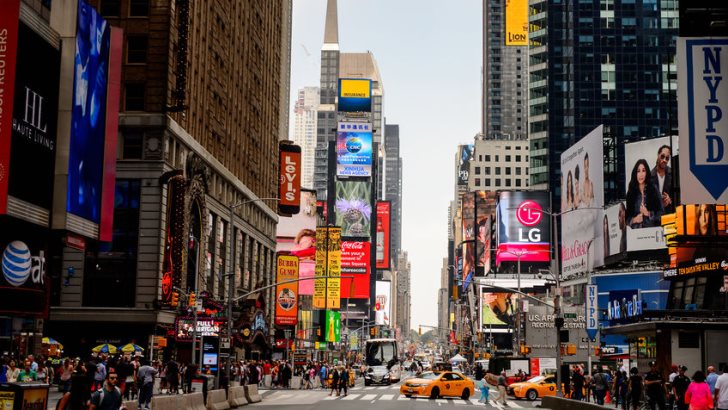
(9, 21)
(333, 285)
(465, 155)
(286, 293)
(333, 326)
(703, 119)
(592, 311)
(289, 180)
(384, 210)
(319, 292)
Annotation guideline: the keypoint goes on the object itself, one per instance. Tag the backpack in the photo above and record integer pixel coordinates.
(100, 392)
(600, 381)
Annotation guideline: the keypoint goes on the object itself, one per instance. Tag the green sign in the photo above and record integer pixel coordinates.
(333, 326)
(569, 315)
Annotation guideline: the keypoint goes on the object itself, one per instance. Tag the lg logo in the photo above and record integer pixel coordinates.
(529, 214)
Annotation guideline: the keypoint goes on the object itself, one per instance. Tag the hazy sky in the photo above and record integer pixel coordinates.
(429, 56)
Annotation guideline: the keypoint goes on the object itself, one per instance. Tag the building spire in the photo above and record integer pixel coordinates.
(331, 30)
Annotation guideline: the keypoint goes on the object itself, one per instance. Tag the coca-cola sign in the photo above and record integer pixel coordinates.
(355, 257)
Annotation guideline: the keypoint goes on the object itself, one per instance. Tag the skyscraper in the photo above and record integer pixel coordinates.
(393, 183)
(304, 130)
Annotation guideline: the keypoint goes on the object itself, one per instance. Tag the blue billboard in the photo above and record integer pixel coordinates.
(88, 117)
(354, 149)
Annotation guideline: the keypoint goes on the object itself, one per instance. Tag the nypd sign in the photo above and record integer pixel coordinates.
(703, 119)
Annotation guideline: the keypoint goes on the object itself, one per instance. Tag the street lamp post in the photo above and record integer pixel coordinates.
(518, 254)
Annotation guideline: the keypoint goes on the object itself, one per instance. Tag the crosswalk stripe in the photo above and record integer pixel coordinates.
(441, 401)
(402, 397)
(351, 397)
(368, 397)
(512, 403)
(468, 402)
(497, 405)
(285, 396)
(330, 398)
(386, 397)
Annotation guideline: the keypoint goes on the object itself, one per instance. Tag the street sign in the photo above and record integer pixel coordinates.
(592, 311)
(198, 306)
(569, 315)
(587, 340)
(224, 342)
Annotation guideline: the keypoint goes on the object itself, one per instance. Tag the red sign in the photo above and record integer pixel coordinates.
(9, 20)
(76, 242)
(383, 237)
(355, 261)
(529, 213)
(290, 179)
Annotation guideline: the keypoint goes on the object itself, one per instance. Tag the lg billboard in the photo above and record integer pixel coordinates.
(523, 228)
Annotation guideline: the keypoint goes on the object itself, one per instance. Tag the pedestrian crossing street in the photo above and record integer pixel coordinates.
(377, 394)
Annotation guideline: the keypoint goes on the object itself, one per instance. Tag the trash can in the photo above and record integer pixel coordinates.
(24, 396)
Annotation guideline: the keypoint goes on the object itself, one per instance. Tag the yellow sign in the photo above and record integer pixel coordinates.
(319, 291)
(516, 22)
(333, 286)
(353, 88)
(7, 398)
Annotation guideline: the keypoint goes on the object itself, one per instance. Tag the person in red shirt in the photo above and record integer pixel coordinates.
(266, 368)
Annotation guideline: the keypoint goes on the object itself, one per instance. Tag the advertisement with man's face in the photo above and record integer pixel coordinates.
(615, 230)
(296, 235)
(649, 191)
(524, 230)
(582, 202)
(465, 155)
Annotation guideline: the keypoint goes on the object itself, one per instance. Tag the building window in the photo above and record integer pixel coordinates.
(477, 181)
(487, 170)
(110, 8)
(518, 182)
(487, 182)
(136, 49)
(134, 97)
(518, 158)
(508, 158)
(508, 182)
(508, 170)
(518, 170)
(497, 158)
(477, 170)
(138, 8)
(131, 144)
(497, 182)
(497, 170)
(487, 157)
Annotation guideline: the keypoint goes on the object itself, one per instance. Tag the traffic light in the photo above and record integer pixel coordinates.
(420, 331)
(191, 301)
(318, 331)
(175, 299)
(597, 351)
(373, 331)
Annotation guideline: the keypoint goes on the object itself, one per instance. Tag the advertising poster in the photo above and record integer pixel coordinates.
(286, 293)
(485, 203)
(624, 306)
(523, 228)
(516, 22)
(703, 124)
(289, 180)
(24, 284)
(321, 263)
(9, 21)
(355, 95)
(615, 230)
(465, 155)
(649, 191)
(704, 219)
(88, 122)
(353, 208)
(383, 240)
(206, 327)
(467, 246)
(582, 204)
(333, 285)
(354, 149)
(383, 300)
(333, 326)
(296, 235)
(34, 119)
(355, 261)
(497, 309)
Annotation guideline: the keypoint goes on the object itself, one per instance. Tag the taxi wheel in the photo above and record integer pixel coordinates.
(466, 394)
(434, 393)
(408, 395)
(532, 395)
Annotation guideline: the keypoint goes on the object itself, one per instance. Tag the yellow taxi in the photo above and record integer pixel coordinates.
(534, 388)
(438, 384)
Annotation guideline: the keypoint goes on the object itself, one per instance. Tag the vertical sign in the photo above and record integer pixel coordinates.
(333, 326)
(287, 290)
(319, 292)
(289, 184)
(384, 217)
(516, 22)
(333, 285)
(592, 311)
(703, 119)
(9, 20)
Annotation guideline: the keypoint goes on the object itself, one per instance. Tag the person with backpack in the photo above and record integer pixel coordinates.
(108, 396)
(145, 381)
(601, 383)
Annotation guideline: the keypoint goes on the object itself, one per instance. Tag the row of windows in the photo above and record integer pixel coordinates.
(498, 183)
(498, 170)
(508, 158)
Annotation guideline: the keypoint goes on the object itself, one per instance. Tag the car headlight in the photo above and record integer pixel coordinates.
(386, 376)
(367, 376)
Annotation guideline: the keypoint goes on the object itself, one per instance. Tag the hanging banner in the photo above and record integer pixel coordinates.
(384, 215)
(592, 311)
(319, 291)
(333, 285)
(286, 293)
(9, 21)
(289, 182)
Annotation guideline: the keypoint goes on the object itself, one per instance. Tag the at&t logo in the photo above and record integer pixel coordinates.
(18, 265)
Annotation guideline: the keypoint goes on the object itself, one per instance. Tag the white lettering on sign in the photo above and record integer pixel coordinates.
(290, 176)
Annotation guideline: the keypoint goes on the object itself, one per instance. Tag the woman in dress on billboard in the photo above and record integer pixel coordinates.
(587, 195)
(569, 192)
(643, 201)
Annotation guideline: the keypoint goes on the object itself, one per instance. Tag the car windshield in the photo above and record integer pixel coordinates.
(430, 376)
(380, 353)
(537, 379)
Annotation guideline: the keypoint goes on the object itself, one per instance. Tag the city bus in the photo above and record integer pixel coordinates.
(383, 365)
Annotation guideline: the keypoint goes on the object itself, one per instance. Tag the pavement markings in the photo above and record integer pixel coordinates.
(351, 397)
(386, 397)
(368, 397)
(330, 398)
(441, 401)
(512, 403)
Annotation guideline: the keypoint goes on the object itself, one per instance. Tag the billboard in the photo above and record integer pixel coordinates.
(9, 21)
(88, 115)
(465, 155)
(333, 326)
(328, 263)
(523, 228)
(353, 208)
(484, 217)
(384, 234)
(516, 22)
(206, 327)
(296, 235)
(582, 202)
(615, 230)
(355, 95)
(497, 309)
(649, 191)
(355, 261)
(289, 180)
(354, 149)
(34, 117)
(286, 293)
(703, 126)
(624, 306)
(383, 302)
(24, 284)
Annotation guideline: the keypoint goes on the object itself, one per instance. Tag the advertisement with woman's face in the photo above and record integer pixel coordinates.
(296, 235)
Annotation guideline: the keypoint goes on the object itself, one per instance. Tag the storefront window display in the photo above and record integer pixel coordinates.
(644, 347)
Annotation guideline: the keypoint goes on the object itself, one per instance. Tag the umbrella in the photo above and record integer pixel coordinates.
(458, 358)
(52, 342)
(131, 347)
(104, 348)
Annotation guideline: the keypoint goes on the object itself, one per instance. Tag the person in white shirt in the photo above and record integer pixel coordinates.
(720, 399)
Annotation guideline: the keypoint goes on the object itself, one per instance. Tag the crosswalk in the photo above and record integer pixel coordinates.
(378, 394)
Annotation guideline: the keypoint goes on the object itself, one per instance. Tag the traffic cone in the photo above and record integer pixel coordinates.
(607, 398)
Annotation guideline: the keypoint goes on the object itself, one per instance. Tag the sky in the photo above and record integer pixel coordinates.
(429, 57)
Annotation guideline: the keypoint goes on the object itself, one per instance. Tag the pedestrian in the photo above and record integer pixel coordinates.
(27, 374)
(655, 388)
(173, 376)
(620, 390)
(721, 389)
(670, 391)
(41, 374)
(108, 397)
(679, 386)
(344, 381)
(99, 374)
(577, 379)
(79, 394)
(484, 390)
(145, 379)
(711, 378)
(698, 394)
(66, 373)
(334, 375)
(601, 383)
(323, 375)
(502, 388)
(636, 388)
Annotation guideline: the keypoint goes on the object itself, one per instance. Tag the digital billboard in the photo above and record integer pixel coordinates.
(497, 309)
(582, 204)
(286, 291)
(624, 306)
(649, 191)
(465, 155)
(353, 208)
(615, 230)
(523, 228)
(355, 95)
(356, 262)
(383, 302)
(24, 284)
(289, 180)
(384, 234)
(333, 326)
(9, 21)
(206, 327)
(516, 22)
(88, 116)
(354, 149)
(485, 202)
(296, 235)
(34, 119)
